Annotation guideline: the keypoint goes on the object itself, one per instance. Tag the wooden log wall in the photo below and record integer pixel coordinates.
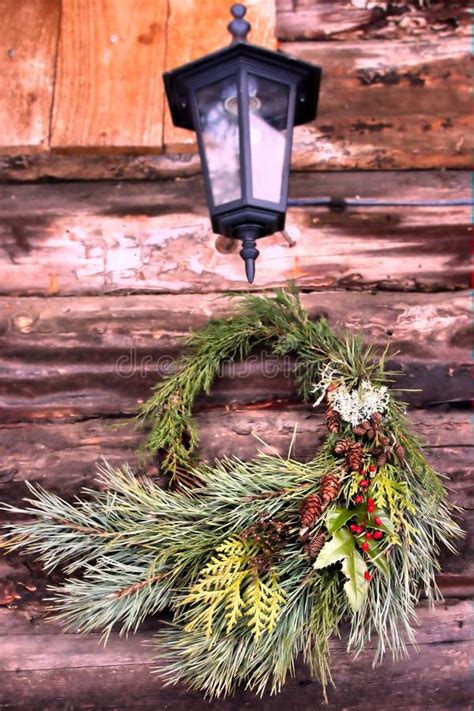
(107, 260)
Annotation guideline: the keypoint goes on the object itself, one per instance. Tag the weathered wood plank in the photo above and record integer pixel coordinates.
(63, 458)
(37, 671)
(108, 90)
(352, 19)
(90, 356)
(407, 106)
(383, 106)
(37, 452)
(197, 28)
(89, 238)
(28, 44)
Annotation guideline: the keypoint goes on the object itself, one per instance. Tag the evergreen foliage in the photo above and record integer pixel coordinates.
(227, 556)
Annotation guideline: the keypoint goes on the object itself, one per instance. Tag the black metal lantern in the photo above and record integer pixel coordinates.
(243, 102)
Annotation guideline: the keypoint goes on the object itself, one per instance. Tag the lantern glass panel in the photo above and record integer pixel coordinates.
(268, 120)
(218, 110)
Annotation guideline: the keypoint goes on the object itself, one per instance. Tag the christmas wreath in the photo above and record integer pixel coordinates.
(262, 560)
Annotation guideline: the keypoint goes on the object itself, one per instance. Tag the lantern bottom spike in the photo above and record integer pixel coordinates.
(249, 252)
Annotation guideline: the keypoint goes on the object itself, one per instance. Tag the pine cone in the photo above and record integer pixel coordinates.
(381, 460)
(310, 510)
(314, 546)
(365, 425)
(376, 417)
(355, 457)
(358, 430)
(329, 488)
(333, 420)
(399, 451)
(370, 433)
(342, 446)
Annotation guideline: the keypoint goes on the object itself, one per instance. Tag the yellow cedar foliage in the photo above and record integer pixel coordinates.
(230, 583)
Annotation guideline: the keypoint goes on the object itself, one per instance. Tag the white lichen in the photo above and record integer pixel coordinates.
(327, 376)
(359, 404)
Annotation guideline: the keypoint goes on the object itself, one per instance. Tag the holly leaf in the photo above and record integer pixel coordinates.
(337, 517)
(378, 558)
(387, 524)
(363, 516)
(340, 546)
(356, 586)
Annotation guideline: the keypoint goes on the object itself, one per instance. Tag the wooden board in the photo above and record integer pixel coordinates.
(62, 457)
(198, 28)
(384, 105)
(89, 238)
(352, 19)
(28, 43)
(43, 669)
(89, 357)
(109, 90)
(387, 106)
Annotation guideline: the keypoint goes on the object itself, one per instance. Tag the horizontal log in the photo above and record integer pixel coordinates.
(89, 238)
(90, 356)
(63, 457)
(402, 106)
(42, 668)
(349, 20)
(383, 105)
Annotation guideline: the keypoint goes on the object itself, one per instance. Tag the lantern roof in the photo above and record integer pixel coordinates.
(250, 57)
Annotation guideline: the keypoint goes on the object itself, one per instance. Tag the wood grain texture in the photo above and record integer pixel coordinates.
(62, 457)
(89, 357)
(41, 668)
(388, 106)
(28, 43)
(383, 105)
(109, 91)
(351, 19)
(197, 28)
(90, 238)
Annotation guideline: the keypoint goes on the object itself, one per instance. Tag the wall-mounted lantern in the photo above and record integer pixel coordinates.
(243, 102)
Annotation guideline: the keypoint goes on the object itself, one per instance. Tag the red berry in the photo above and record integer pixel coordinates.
(367, 575)
(359, 530)
(353, 527)
(364, 546)
(372, 468)
(359, 499)
(362, 471)
(377, 521)
(364, 483)
(370, 502)
(368, 535)
(377, 535)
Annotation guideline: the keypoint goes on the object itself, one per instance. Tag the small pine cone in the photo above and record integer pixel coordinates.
(358, 430)
(365, 425)
(399, 451)
(389, 453)
(310, 510)
(381, 460)
(329, 488)
(342, 446)
(376, 417)
(333, 420)
(355, 457)
(314, 546)
(377, 451)
(370, 433)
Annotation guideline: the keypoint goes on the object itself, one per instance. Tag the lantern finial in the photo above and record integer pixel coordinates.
(238, 27)
(249, 252)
